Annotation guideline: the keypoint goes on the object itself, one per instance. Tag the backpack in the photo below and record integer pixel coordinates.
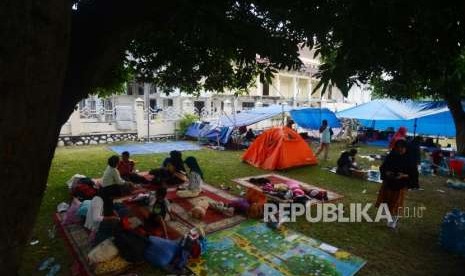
(131, 246)
(84, 191)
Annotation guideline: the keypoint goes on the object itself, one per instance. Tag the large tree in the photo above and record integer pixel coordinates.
(405, 49)
(54, 53)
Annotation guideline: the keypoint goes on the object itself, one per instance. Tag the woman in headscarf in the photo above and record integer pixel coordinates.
(176, 160)
(401, 134)
(195, 179)
(395, 173)
(175, 166)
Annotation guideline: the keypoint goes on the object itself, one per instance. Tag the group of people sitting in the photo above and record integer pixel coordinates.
(102, 214)
(120, 177)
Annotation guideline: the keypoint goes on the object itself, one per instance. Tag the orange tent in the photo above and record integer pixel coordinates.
(279, 148)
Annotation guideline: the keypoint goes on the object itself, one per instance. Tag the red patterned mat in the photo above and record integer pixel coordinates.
(213, 220)
(276, 179)
(76, 237)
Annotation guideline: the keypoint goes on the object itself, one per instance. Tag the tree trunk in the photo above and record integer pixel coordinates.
(34, 53)
(456, 109)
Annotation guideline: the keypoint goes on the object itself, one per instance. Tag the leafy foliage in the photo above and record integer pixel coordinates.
(116, 82)
(409, 48)
(186, 121)
(205, 45)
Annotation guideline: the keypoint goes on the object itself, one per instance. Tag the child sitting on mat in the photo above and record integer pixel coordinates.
(195, 179)
(126, 168)
(160, 207)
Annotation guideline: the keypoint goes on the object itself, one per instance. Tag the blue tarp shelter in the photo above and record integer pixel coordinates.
(209, 131)
(222, 129)
(310, 118)
(422, 117)
(250, 117)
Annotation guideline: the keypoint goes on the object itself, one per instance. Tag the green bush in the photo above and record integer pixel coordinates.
(186, 121)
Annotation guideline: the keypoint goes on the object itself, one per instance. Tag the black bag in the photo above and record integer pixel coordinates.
(131, 246)
(87, 181)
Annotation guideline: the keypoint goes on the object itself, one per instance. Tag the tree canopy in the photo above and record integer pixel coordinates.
(55, 52)
(191, 45)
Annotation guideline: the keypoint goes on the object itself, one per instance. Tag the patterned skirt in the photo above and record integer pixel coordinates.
(393, 198)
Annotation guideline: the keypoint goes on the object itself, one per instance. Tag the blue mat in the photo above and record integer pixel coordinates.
(157, 147)
(379, 143)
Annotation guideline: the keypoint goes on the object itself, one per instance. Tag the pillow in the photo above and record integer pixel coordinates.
(115, 266)
(104, 251)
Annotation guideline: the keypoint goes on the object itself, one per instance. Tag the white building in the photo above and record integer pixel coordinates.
(293, 87)
(116, 113)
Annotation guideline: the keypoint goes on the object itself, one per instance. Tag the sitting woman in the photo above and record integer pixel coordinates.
(160, 176)
(250, 135)
(346, 163)
(112, 180)
(195, 179)
(100, 214)
(176, 168)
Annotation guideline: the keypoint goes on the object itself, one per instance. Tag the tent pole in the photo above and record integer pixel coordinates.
(282, 114)
(414, 127)
(147, 104)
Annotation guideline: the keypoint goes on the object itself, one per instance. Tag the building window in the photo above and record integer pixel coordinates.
(153, 89)
(130, 91)
(199, 105)
(153, 104)
(248, 105)
(167, 102)
(140, 89)
(108, 104)
(266, 89)
(93, 105)
(265, 105)
(82, 104)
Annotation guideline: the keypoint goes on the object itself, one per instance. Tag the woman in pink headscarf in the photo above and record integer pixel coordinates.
(401, 134)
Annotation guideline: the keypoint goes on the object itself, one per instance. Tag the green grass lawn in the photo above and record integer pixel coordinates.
(412, 250)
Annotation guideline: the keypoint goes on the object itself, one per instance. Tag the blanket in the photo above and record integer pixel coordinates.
(276, 179)
(213, 220)
(252, 248)
(372, 175)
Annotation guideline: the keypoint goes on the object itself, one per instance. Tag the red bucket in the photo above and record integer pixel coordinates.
(456, 166)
